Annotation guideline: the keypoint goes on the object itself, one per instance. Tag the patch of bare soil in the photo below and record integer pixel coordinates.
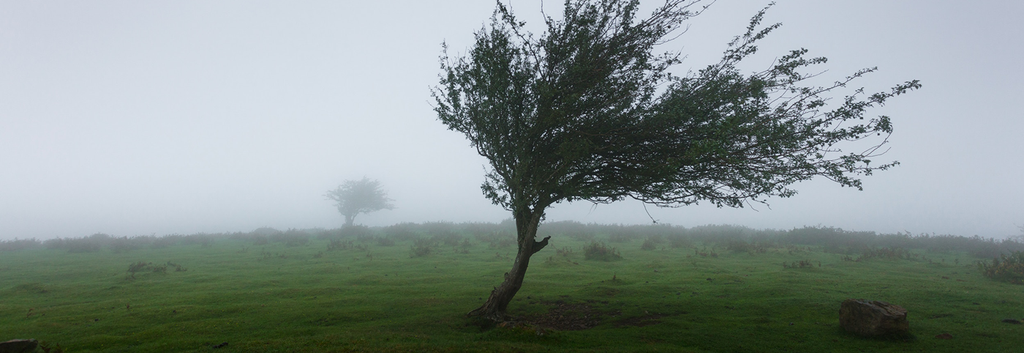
(565, 316)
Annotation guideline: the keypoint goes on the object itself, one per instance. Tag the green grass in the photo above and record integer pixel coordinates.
(279, 298)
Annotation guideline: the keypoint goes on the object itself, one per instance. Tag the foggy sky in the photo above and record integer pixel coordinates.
(138, 118)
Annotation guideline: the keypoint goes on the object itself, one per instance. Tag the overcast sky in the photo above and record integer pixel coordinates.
(160, 117)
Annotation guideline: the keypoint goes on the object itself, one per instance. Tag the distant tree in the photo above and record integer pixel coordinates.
(359, 196)
(587, 111)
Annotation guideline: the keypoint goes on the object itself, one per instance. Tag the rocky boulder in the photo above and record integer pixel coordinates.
(873, 318)
(18, 346)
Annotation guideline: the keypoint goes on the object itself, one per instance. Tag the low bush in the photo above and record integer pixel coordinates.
(177, 267)
(750, 248)
(355, 231)
(126, 244)
(447, 238)
(564, 252)
(705, 252)
(203, 239)
(891, 253)
(291, 238)
(422, 247)
(498, 240)
(338, 244)
(136, 267)
(800, 264)
(650, 243)
(159, 269)
(144, 266)
(18, 244)
(92, 243)
(401, 231)
(620, 237)
(1006, 268)
(600, 252)
(679, 241)
(385, 241)
(464, 247)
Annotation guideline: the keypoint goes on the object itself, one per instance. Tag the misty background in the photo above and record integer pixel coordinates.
(139, 118)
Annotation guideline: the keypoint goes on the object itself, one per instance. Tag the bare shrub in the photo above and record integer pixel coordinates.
(136, 267)
(159, 269)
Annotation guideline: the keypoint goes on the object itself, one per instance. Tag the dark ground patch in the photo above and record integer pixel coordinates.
(564, 316)
(567, 316)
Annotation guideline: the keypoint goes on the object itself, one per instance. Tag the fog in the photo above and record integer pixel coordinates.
(138, 118)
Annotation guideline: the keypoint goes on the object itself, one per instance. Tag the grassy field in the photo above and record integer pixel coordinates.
(409, 291)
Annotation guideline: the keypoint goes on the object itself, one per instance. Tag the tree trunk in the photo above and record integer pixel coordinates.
(349, 219)
(495, 306)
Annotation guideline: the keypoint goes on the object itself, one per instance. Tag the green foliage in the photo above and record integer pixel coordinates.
(582, 105)
(599, 252)
(1006, 268)
(359, 196)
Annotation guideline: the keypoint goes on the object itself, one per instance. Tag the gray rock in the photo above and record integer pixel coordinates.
(18, 346)
(873, 318)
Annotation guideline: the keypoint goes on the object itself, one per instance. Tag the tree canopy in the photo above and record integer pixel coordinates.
(589, 111)
(359, 196)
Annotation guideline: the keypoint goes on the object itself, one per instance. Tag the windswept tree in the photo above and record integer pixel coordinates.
(359, 196)
(588, 111)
